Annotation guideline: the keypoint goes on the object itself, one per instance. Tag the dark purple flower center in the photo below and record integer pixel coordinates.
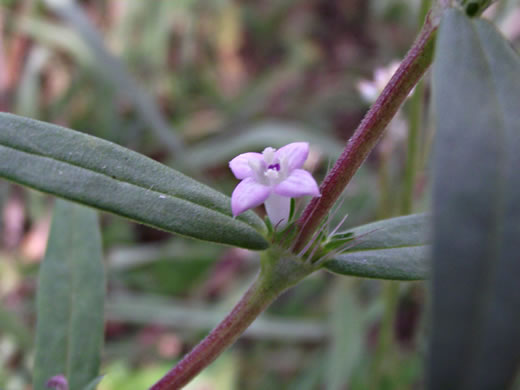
(276, 167)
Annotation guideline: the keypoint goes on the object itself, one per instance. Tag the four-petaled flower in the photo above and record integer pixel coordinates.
(274, 177)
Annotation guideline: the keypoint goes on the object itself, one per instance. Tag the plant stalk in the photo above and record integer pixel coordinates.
(255, 300)
(416, 62)
(277, 274)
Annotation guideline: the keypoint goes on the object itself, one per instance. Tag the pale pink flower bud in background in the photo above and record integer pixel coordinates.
(371, 89)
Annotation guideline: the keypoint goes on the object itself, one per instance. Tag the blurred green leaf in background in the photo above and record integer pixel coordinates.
(475, 342)
(71, 291)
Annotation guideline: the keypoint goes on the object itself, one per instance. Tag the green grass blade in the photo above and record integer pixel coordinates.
(71, 290)
(101, 174)
(116, 73)
(345, 348)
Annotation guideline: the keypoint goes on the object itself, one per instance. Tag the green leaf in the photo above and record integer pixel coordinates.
(100, 174)
(475, 341)
(116, 73)
(310, 377)
(338, 240)
(70, 299)
(268, 133)
(11, 325)
(93, 383)
(54, 36)
(154, 309)
(345, 348)
(393, 249)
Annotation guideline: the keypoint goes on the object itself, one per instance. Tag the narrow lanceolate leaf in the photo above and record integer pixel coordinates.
(475, 341)
(115, 71)
(101, 174)
(70, 297)
(395, 249)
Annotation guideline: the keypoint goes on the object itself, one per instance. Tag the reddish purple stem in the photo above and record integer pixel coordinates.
(369, 131)
(280, 271)
(254, 302)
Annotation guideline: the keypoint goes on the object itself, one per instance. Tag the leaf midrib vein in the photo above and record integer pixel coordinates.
(41, 155)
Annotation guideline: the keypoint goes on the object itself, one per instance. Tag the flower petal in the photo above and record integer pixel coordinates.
(368, 90)
(294, 154)
(248, 194)
(278, 209)
(299, 183)
(240, 164)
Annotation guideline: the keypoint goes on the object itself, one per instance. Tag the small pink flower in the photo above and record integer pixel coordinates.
(272, 177)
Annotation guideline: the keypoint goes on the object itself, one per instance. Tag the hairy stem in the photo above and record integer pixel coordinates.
(369, 131)
(277, 274)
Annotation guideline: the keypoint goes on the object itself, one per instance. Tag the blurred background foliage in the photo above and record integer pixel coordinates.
(191, 83)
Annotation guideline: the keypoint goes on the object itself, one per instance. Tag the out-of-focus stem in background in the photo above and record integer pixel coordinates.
(416, 62)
